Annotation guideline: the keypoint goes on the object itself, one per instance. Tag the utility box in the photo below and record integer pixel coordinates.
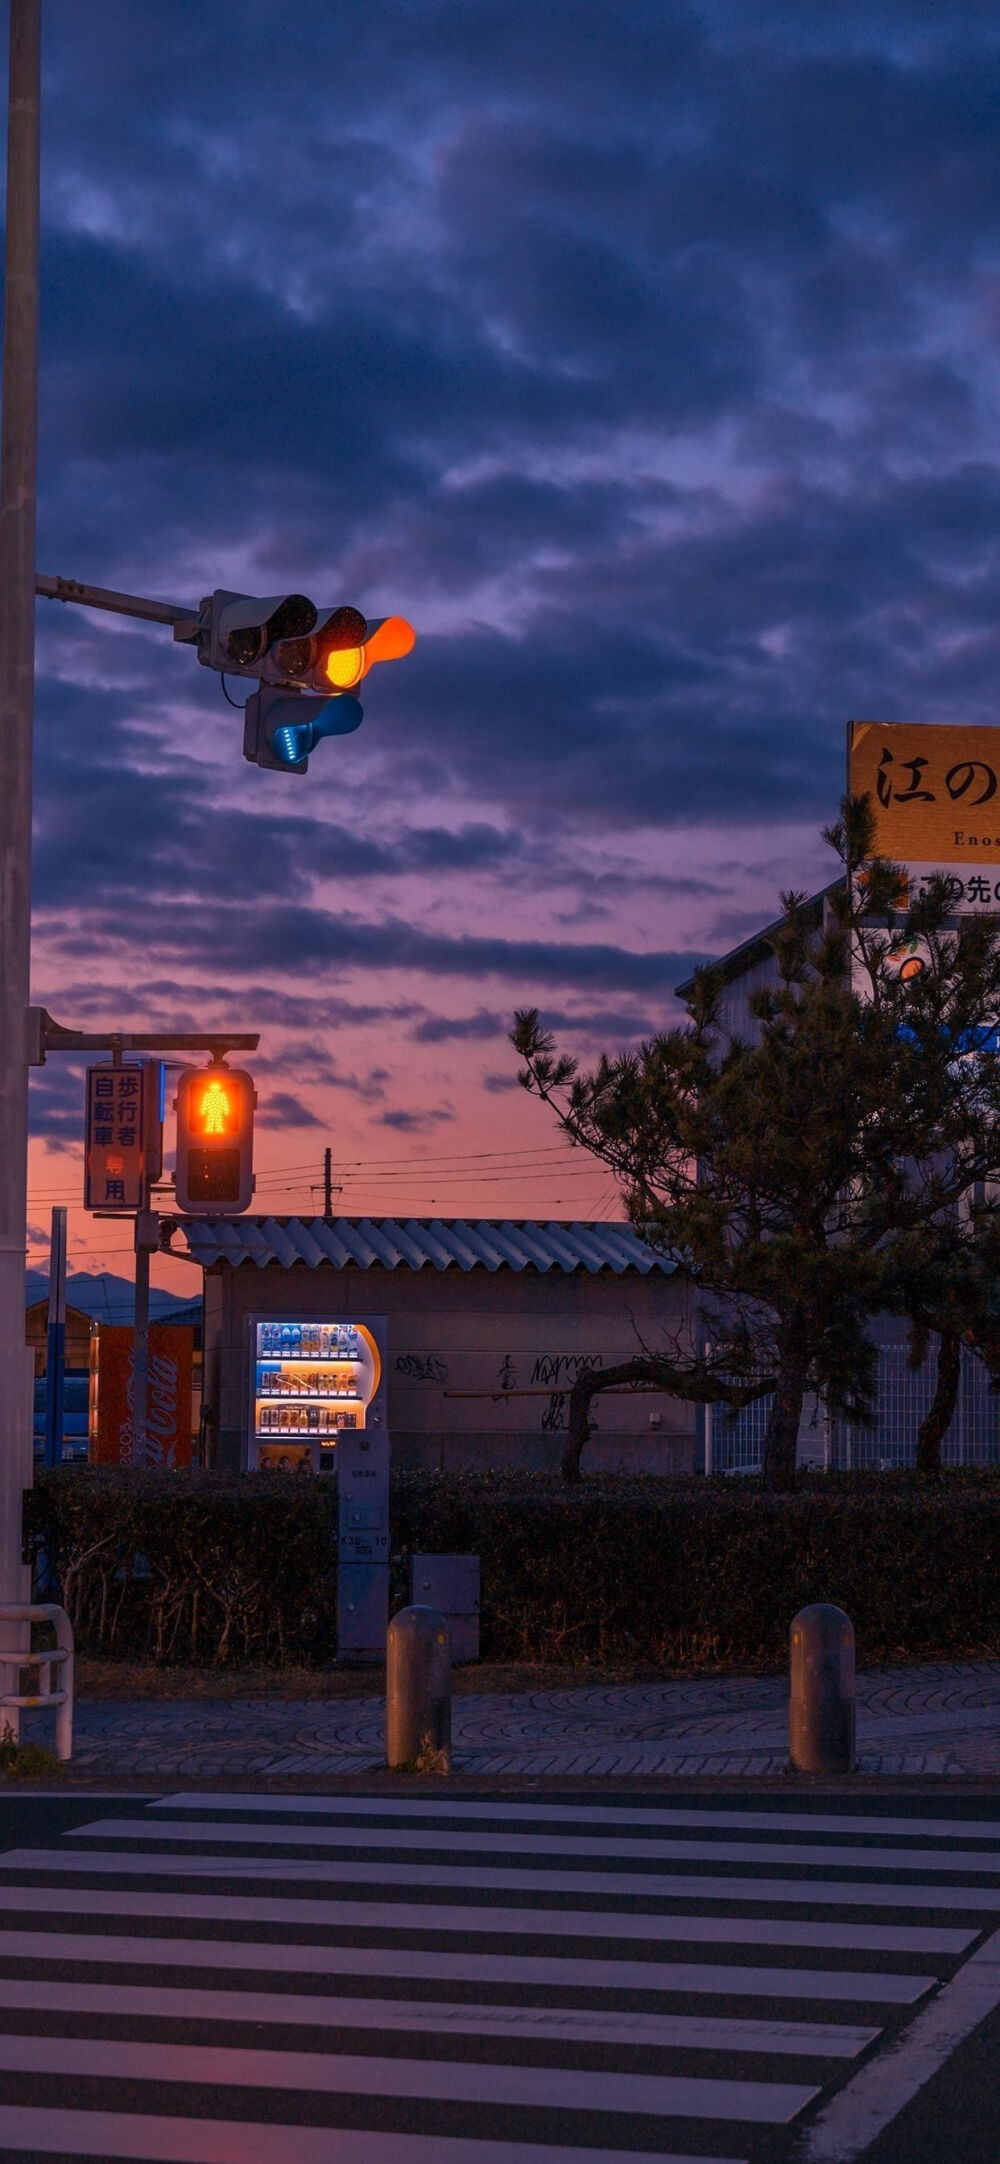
(450, 1583)
(362, 1612)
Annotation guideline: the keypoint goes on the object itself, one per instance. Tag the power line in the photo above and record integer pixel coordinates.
(445, 1160)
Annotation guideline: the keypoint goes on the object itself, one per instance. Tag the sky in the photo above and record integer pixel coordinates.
(644, 356)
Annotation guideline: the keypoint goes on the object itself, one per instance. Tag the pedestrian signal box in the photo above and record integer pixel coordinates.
(214, 1171)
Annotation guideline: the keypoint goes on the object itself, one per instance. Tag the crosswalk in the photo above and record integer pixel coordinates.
(389, 1979)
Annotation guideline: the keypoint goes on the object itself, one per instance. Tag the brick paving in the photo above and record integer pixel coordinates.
(941, 1719)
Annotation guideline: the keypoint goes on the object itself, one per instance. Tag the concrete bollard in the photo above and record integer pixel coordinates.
(821, 1704)
(418, 1691)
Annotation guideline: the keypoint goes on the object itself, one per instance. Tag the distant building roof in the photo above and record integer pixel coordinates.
(757, 947)
(37, 1312)
(443, 1243)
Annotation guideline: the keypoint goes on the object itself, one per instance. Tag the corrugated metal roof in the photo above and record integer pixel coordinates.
(446, 1243)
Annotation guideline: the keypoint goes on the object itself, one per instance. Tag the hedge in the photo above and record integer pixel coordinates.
(199, 1567)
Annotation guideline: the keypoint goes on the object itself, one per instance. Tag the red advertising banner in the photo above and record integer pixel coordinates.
(168, 1408)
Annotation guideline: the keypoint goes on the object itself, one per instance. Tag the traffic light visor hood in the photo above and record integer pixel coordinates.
(390, 639)
(249, 627)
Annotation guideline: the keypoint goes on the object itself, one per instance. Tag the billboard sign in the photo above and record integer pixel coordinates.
(123, 1137)
(935, 793)
(168, 1396)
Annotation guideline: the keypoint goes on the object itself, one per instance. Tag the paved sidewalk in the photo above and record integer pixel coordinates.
(940, 1720)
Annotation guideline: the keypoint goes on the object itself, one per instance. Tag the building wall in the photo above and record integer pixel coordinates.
(79, 1330)
(735, 1017)
(480, 1363)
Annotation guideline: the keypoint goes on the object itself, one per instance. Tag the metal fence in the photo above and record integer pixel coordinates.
(737, 1436)
(904, 1395)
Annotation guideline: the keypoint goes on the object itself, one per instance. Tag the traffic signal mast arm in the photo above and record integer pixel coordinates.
(184, 618)
(49, 1036)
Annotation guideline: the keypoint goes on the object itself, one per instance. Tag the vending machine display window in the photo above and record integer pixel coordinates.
(311, 1381)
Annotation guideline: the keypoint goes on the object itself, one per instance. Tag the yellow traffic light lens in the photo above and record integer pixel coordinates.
(215, 1109)
(345, 666)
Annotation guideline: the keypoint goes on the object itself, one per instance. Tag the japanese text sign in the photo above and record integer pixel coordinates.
(117, 1101)
(935, 792)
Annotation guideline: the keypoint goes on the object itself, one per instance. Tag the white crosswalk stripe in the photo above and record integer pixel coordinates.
(620, 1885)
(841, 1856)
(289, 1980)
(545, 1815)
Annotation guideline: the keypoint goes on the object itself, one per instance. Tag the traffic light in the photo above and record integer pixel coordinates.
(285, 640)
(281, 728)
(214, 1171)
(237, 631)
(294, 650)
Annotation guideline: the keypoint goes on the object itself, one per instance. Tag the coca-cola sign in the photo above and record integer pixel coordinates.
(168, 1396)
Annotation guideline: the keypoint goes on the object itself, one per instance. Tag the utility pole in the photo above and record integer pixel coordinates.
(328, 1182)
(18, 492)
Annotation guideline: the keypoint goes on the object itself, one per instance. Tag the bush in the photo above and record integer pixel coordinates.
(677, 1573)
(191, 1567)
(25, 1761)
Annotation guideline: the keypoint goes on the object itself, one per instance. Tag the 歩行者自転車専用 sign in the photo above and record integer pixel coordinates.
(115, 1150)
(935, 793)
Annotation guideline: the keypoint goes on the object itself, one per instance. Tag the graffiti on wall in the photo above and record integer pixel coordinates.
(422, 1367)
(559, 1371)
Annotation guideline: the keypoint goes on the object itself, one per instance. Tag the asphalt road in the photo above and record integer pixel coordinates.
(227, 1978)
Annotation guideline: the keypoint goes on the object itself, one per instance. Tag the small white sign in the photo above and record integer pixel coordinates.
(115, 1149)
(975, 890)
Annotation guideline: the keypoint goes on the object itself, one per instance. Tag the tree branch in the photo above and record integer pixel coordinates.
(699, 1383)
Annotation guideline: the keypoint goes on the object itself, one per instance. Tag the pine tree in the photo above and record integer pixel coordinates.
(807, 1173)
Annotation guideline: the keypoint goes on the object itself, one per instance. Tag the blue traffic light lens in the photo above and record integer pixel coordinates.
(291, 745)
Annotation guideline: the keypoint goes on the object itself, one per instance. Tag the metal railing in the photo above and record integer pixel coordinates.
(58, 1658)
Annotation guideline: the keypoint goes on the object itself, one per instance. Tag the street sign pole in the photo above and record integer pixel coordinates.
(18, 490)
(55, 1358)
(147, 1241)
(140, 1352)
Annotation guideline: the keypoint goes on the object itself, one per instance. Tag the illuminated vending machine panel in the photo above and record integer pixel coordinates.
(311, 1381)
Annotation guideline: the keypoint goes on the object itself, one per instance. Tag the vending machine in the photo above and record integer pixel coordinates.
(311, 1382)
(318, 1404)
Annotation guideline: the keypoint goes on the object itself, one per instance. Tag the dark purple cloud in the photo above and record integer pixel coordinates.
(644, 357)
(282, 1109)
